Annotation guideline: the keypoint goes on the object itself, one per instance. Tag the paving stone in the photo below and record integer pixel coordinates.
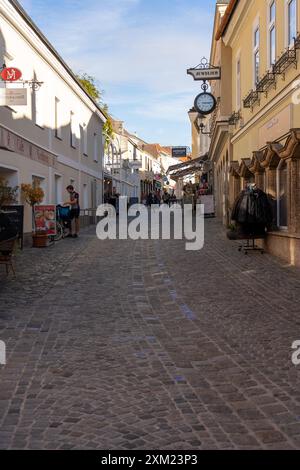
(141, 344)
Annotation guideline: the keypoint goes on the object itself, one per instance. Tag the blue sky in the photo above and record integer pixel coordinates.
(138, 51)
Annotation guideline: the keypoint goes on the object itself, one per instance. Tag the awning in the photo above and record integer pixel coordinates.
(201, 164)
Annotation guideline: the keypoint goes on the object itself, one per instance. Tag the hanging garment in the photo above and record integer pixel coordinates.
(252, 207)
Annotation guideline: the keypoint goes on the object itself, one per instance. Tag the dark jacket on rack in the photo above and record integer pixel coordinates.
(252, 207)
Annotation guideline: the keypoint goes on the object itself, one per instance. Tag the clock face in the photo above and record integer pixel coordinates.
(205, 103)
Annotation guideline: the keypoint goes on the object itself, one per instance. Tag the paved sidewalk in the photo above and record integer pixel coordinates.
(142, 345)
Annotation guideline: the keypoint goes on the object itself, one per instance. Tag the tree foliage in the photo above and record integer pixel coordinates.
(33, 194)
(89, 84)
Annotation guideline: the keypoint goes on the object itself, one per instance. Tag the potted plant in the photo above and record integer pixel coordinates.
(33, 195)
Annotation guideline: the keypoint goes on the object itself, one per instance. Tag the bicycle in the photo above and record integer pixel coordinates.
(62, 223)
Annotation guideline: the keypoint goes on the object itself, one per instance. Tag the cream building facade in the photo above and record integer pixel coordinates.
(56, 139)
(260, 54)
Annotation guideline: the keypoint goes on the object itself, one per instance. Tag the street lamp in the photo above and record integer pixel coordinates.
(201, 125)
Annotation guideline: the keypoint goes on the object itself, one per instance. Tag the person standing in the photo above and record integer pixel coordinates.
(74, 211)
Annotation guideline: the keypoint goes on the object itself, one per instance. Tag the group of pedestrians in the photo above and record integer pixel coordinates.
(156, 198)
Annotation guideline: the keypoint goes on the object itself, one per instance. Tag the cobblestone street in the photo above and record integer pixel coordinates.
(143, 345)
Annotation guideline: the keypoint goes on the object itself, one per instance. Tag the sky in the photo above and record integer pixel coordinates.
(138, 51)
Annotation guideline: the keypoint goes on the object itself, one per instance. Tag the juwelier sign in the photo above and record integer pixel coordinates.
(205, 73)
(13, 96)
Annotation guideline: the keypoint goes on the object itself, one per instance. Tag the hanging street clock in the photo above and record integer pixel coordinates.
(205, 103)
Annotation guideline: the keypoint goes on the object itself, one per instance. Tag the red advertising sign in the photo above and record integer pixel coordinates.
(45, 219)
(11, 74)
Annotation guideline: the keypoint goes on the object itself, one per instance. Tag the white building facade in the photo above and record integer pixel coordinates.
(56, 139)
(122, 161)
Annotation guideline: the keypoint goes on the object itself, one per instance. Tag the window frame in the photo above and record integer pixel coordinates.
(238, 83)
(96, 147)
(287, 22)
(278, 188)
(39, 118)
(256, 52)
(272, 28)
(73, 139)
(84, 139)
(57, 123)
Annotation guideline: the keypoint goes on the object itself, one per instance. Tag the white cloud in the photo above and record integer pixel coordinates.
(124, 49)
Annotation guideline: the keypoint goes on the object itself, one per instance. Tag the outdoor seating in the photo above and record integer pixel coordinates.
(6, 254)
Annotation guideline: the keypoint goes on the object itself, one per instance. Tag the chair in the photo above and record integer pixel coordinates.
(6, 254)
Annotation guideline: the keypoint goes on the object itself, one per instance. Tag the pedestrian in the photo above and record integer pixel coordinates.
(73, 203)
(150, 199)
(166, 198)
(114, 199)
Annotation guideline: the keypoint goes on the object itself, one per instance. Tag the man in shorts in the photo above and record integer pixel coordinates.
(74, 211)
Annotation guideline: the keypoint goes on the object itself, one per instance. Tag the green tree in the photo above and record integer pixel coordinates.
(88, 83)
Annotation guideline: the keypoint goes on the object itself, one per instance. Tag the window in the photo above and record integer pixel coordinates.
(85, 197)
(95, 147)
(72, 131)
(256, 55)
(58, 189)
(238, 85)
(292, 21)
(57, 124)
(83, 135)
(282, 193)
(38, 106)
(272, 33)
(39, 182)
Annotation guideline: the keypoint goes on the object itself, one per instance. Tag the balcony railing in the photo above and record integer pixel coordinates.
(288, 58)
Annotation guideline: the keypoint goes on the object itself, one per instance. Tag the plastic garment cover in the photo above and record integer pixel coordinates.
(252, 207)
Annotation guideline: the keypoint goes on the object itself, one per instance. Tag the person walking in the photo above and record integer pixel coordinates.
(73, 203)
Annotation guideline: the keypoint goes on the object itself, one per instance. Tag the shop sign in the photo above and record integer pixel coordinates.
(45, 219)
(205, 73)
(11, 74)
(13, 96)
(276, 127)
(179, 152)
(15, 143)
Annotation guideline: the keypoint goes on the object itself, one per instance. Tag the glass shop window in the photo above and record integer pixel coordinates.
(282, 193)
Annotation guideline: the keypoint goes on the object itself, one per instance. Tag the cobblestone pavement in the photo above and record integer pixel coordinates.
(142, 345)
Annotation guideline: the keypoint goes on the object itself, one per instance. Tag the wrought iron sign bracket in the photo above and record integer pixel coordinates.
(205, 71)
(33, 84)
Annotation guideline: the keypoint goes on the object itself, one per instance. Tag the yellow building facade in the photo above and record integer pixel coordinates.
(260, 42)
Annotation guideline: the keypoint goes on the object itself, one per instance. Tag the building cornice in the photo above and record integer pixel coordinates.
(226, 19)
(233, 29)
